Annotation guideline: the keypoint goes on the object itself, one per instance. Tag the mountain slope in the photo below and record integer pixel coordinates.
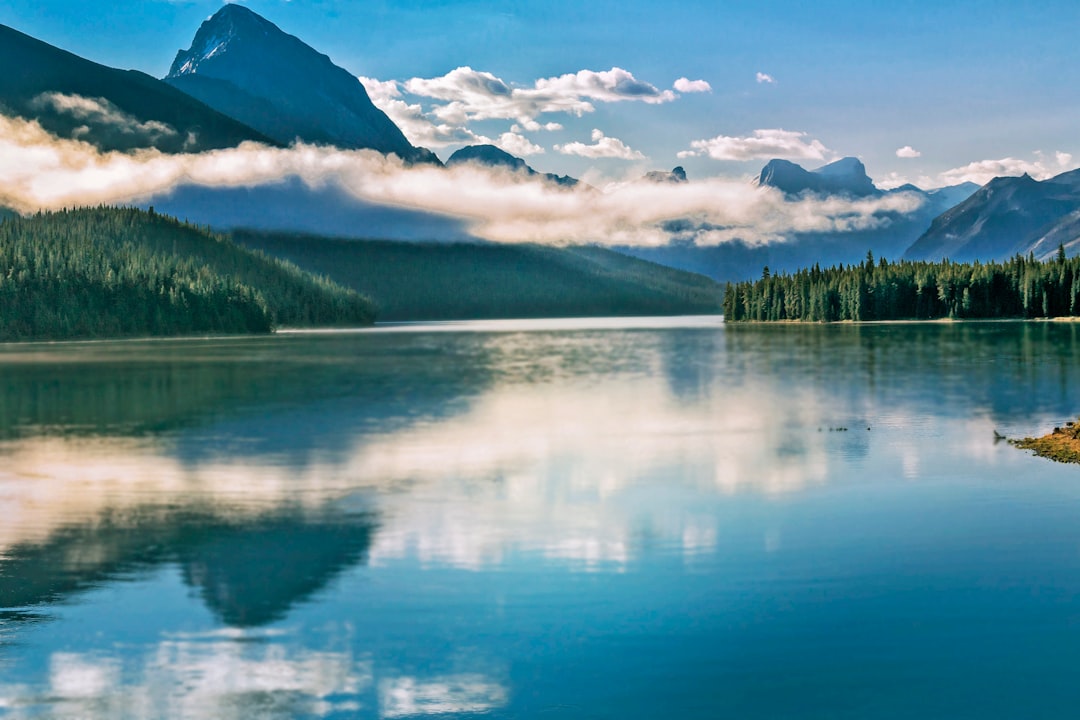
(1008, 215)
(491, 156)
(450, 281)
(113, 109)
(248, 68)
(111, 272)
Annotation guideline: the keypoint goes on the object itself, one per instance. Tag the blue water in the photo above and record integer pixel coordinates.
(541, 519)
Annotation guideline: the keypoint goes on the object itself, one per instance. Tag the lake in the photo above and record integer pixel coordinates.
(633, 518)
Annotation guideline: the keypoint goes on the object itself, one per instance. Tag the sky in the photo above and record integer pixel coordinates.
(932, 93)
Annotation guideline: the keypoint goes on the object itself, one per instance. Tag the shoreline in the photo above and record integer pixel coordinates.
(1062, 444)
(909, 321)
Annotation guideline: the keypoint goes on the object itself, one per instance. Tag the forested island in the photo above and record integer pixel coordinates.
(122, 272)
(1021, 288)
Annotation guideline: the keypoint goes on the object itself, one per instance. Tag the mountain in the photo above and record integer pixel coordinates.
(1008, 215)
(113, 109)
(676, 176)
(246, 67)
(846, 176)
(491, 156)
(452, 281)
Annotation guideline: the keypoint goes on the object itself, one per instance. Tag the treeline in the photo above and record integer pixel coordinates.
(115, 272)
(452, 281)
(1020, 288)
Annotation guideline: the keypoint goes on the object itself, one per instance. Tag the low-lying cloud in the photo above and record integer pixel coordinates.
(40, 171)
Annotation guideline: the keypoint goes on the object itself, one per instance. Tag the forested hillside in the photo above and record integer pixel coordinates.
(110, 272)
(444, 281)
(1020, 288)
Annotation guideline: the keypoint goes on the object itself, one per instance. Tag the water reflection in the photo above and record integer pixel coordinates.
(278, 478)
(240, 677)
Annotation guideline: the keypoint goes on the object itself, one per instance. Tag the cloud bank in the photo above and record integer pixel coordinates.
(40, 171)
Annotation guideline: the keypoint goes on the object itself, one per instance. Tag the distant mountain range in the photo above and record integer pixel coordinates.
(244, 79)
(246, 67)
(1009, 215)
(845, 178)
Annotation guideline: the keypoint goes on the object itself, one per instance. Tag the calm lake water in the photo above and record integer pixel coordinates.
(579, 519)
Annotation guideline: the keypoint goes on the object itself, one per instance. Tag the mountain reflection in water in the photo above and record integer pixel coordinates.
(342, 524)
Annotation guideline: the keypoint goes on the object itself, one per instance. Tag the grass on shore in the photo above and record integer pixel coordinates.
(1061, 445)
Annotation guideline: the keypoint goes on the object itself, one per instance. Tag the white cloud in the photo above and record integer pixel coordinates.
(531, 125)
(39, 171)
(518, 145)
(99, 111)
(762, 145)
(908, 152)
(686, 85)
(602, 147)
(418, 127)
(470, 94)
(983, 171)
(765, 78)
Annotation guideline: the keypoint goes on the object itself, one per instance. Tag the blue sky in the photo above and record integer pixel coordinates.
(956, 82)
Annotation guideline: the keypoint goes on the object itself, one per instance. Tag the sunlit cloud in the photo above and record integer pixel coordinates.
(686, 85)
(983, 171)
(418, 126)
(519, 145)
(101, 112)
(765, 78)
(602, 147)
(533, 126)
(465, 94)
(39, 171)
(908, 152)
(761, 145)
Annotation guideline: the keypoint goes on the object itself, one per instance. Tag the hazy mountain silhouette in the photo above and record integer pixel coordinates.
(491, 156)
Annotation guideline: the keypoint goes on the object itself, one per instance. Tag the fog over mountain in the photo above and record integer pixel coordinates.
(491, 156)
(70, 124)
